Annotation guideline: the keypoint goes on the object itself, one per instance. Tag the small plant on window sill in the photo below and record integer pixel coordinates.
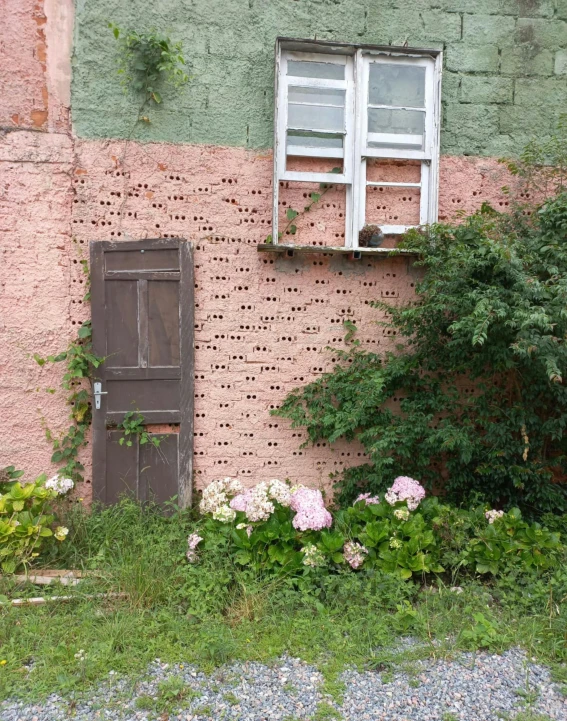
(147, 61)
(133, 427)
(292, 214)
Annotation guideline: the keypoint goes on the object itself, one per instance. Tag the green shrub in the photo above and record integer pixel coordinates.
(510, 542)
(472, 398)
(25, 520)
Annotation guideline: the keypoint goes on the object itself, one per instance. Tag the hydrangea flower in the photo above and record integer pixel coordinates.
(354, 553)
(61, 533)
(279, 492)
(367, 498)
(395, 543)
(402, 514)
(254, 502)
(59, 485)
(311, 514)
(406, 489)
(312, 556)
(217, 493)
(193, 541)
(491, 516)
(224, 514)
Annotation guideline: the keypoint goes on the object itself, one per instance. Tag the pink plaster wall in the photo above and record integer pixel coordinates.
(262, 324)
(35, 63)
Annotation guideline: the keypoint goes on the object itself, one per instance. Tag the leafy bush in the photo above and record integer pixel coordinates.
(26, 517)
(510, 542)
(478, 374)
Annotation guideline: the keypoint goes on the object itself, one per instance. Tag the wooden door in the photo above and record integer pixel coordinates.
(142, 295)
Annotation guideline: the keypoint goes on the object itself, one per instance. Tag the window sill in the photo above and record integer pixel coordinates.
(291, 250)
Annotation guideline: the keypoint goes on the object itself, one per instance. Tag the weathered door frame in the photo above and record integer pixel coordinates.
(186, 401)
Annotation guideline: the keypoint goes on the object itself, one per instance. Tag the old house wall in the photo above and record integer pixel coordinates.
(262, 324)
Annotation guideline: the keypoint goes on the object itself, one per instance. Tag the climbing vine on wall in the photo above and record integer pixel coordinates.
(79, 360)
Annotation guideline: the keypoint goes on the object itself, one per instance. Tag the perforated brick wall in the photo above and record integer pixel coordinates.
(262, 323)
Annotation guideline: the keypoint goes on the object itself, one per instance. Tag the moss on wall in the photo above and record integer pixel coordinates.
(505, 75)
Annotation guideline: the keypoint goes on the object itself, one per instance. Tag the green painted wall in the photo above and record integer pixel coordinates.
(505, 75)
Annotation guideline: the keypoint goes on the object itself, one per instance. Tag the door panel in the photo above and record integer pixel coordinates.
(142, 311)
(122, 323)
(163, 325)
(149, 395)
(143, 259)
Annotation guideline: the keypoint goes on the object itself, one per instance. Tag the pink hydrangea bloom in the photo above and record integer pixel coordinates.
(367, 498)
(311, 514)
(193, 541)
(406, 489)
(354, 553)
(240, 501)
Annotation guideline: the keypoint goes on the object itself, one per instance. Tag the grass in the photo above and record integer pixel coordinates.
(211, 613)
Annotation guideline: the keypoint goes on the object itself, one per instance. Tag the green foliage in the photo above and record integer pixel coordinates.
(216, 611)
(133, 426)
(477, 374)
(149, 60)
(80, 360)
(482, 634)
(403, 546)
(511, 541)
(25, 518)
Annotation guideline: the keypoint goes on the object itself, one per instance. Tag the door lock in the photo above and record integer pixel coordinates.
(97, 393)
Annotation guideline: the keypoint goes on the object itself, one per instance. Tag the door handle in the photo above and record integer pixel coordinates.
(97, 393)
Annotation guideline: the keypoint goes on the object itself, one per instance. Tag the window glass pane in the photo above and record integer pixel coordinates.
(318, 117)
(318, 96)
(396, 84)
(312, 140)
(398, 128)
(308, 69)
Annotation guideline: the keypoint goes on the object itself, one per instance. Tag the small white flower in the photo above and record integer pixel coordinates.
(402, 514)
(61, 533)
(491, 516)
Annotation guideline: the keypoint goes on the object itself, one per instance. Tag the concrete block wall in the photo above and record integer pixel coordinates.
(505, 74)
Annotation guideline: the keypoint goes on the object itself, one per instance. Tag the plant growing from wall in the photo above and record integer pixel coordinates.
(133, 427)
(474, 397)
(147, 62)
(293, 215)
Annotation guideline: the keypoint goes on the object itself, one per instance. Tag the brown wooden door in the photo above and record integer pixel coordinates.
(142, 317)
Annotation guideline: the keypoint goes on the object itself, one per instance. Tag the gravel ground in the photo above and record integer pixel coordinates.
(474, 687)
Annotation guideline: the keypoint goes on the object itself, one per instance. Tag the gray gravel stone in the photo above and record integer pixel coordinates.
(472, 687)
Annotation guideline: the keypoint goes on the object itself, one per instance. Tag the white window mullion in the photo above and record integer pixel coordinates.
(359, 163)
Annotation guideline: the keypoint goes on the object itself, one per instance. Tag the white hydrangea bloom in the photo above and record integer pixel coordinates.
(60, 485)
(224, 514)
(258, 506)
(280, 492)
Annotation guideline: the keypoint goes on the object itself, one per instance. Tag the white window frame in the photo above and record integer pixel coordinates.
(357, 61)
